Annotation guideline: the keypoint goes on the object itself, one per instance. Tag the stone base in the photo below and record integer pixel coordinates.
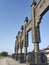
(21, 58)
(37, 64)
(16, 58)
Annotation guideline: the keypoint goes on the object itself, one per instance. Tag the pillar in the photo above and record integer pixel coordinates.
(36, 41)
(16, 55)
(36, 44)
(25, 53)
(36, 50)
(20, 55)
(20, 50)
(25, 38)
(35, 33)
(25, 46)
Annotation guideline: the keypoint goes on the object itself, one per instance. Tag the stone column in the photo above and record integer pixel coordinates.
(20, 50)
(16, 48)
(25, 38)
(35, 33)
(36, 50)
(36, 45)
(25, 46)
(16, 55)
(25, 53)
(20, 56)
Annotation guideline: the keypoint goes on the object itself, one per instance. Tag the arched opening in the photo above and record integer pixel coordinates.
(30, 44)
(44, 31)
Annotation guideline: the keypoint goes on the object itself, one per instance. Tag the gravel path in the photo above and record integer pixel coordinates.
(9, 61)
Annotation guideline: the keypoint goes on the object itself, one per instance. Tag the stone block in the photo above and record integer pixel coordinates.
(21, 58)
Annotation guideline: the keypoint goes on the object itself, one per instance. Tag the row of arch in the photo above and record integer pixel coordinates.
(22, 37)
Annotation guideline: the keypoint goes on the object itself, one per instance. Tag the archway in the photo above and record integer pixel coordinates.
(44, 29)
(30, 44)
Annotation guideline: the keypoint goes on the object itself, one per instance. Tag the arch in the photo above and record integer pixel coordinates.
(44, 26)
(30, 44)
(39, 9)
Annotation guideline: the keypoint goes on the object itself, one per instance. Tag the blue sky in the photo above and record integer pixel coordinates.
(12, 14)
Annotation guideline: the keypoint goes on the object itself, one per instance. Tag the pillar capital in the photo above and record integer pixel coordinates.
(18, 32)
(16, 37)
(33, 3)
(22, 28)
(26, 20)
